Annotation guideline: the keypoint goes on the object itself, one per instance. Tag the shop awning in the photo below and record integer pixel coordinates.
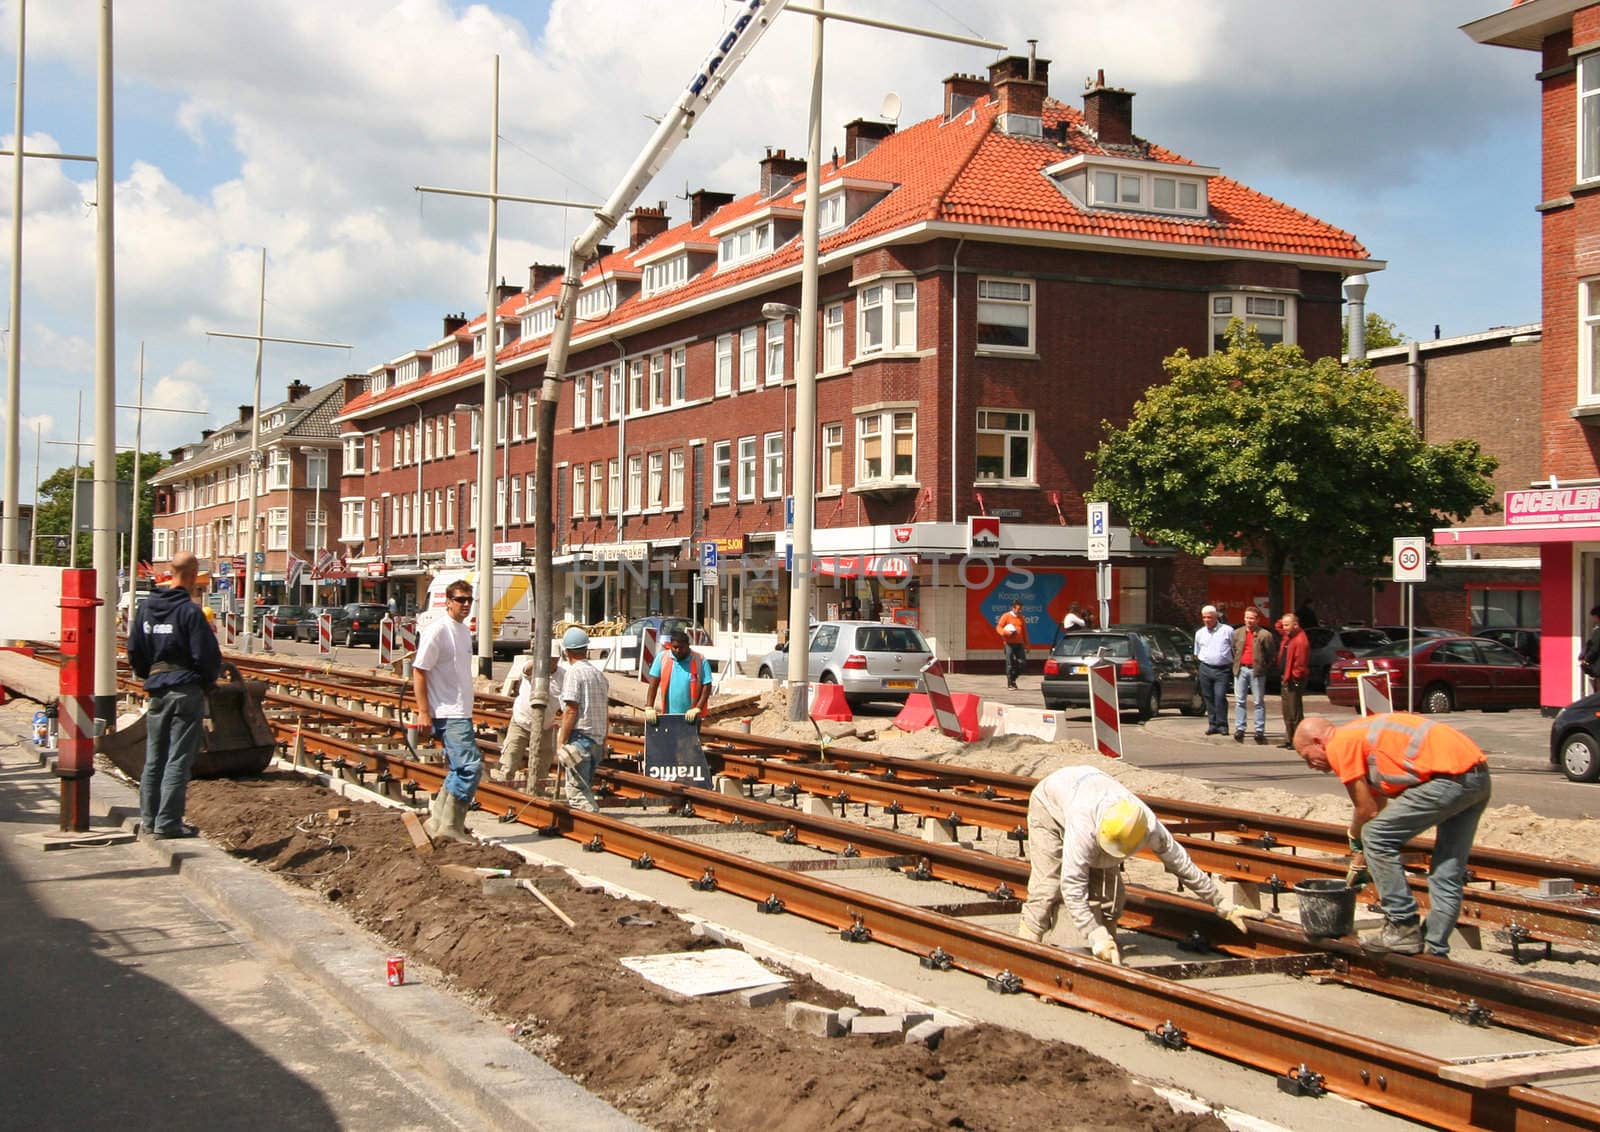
(865, 565)
(1526, 534)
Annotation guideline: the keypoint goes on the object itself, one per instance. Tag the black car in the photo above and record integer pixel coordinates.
(357, 624)
(285, 619)
(1174, 648)
(1147, 675)
(306, 628)
(1575, 740)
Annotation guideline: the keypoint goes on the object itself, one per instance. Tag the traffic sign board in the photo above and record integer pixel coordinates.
(708, 564)
(261, 558)
(224, 569)
(469, 552)
(1100, 519)
(1099, 548)
(1411, 559)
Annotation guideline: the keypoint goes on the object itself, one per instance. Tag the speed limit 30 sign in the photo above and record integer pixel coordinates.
(1411, 559)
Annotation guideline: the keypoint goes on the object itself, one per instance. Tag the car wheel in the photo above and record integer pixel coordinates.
(764, 673)
(1436, 699)
(349, 639)
(1580, 757)
(828, 678)
(1195, 706)
(1150, 704)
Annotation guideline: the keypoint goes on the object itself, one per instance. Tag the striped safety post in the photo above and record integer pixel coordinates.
(386, 640)
(75, 757)
(324, 634)
(230, 630)
(1374, 691)
(406, 634)
(1104, 712)
(944, 707)
(649, 643)
(269, 630)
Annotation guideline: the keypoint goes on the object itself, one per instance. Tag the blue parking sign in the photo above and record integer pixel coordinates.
(708, 564)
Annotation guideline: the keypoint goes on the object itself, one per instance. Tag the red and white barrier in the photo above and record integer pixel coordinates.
(828, 702)
(386, 640)
(1104, 712)
(955, 716)
(230, 630)
(324, 634)
(406, 636)
(1374, 692)
(269, 631)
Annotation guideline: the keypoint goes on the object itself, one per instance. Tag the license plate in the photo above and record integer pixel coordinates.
(1080, 670)
(897, 684)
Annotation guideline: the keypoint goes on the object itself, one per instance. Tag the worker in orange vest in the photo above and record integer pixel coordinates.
(1405, 774)
(683, 680)
(1013, 632)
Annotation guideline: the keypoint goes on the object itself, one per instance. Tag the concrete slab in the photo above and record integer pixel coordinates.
(807, 1018)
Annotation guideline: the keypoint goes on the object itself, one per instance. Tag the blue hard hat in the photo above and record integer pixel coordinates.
(574, 639)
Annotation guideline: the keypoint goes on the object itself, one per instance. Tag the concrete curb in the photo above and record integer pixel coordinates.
(471, 1057)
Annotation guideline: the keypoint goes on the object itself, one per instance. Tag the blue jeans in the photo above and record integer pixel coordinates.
(580, 779)
(1214, 691)
(1244, 685)
(1453, 804)
(172, 740)
(462, 756)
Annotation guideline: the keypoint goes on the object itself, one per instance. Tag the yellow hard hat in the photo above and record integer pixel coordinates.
(1124, 827)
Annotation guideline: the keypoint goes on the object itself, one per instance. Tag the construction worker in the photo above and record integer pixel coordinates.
(1405, 774)
(680, 682)
(1082, 824)
(441, 680)
(581, 742)
(518, 737)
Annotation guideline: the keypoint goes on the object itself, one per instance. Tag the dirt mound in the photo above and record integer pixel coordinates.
(671, 1062)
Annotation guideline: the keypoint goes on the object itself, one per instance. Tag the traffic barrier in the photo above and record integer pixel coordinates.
(1104, 711)
(386, 640)
(324, 634)
(1374, 691)
(917, 713)
(828, 702)
(406, 636)
(269, 630)
(230, 630)
(956, 715)
(649, 645)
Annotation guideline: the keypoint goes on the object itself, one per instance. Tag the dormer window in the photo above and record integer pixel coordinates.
(411, 367)
(541, 320)
(666, 275)
(830, 213)
(747, 243)
(276, 420)
(445, 357)
(477, 344)
(1125, 183)
(597, 301)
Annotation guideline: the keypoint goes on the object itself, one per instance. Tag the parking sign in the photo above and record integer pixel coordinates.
(708, 564)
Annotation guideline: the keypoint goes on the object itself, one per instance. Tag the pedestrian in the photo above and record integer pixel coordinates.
(683, 679)
(1253, 648)
(175, 653)
(1013, 630)
(581, 742)
(1082, 824)
(1074, 618)
(1307, 614)
(1213, 646)
(1405, 774)
(1589, 663)
(1294, 669)
(518, 737)
(441, 680)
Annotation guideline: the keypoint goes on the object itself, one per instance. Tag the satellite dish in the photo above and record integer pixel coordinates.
(890, 109)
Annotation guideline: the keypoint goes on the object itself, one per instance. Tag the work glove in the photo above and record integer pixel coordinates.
(1356, 876)
(1106, 951)
(692, 714)
(650, 716)
(569, 755)
(1354, 840)
(1238, 914)
(1028, 932)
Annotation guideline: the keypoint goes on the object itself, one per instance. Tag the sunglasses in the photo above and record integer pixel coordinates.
(464, 599)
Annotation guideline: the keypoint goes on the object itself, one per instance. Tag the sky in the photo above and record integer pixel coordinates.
(303, 129)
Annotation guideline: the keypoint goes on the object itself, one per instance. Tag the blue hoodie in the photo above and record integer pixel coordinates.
(171, 630)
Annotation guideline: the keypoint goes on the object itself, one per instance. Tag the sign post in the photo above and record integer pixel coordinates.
(1410, 557)
(1100, 555)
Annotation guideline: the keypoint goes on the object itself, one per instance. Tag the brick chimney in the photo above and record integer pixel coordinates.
(541, 275)
(355, 384)
(453, 323)
(297, 390)
(961, 91)
(645, 224)
(504, 292)
(245, 413)
(778, 169)
(704, 202)
(1108, 111)
(861, 136)
(1020, 83)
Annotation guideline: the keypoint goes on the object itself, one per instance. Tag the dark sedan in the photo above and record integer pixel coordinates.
(306, 628)
(1575, 740)
(1147, 677)
(1451, 673)
(357, 624)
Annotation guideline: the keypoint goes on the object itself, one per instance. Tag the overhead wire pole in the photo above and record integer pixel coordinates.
(105, 390)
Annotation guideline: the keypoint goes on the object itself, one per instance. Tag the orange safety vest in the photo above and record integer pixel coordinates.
(666, 680)
(1399, 750)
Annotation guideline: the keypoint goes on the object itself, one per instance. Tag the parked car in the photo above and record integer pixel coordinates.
(1451, 673)
(1330, 646)
(1524, 641)
(1148, 676)
(870, 660)
(1173, 648)
(662, 625)
(285, 618)
(1398, 632)
(357, 623)
(1575, 739)
(305, 629)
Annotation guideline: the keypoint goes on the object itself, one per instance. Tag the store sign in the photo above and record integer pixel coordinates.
(1553, 506)
(506, 550)
(983, 534)
(902, 534)
(729, 547)
(377, 569)
(621, 551)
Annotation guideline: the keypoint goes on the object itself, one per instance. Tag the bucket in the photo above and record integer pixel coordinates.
(1327, 907)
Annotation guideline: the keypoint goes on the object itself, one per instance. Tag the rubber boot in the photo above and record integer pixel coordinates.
(1028, 932)
(456, 819)
(432, 825)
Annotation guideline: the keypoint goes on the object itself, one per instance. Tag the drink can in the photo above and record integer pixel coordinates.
(41, 728)
(396, 970)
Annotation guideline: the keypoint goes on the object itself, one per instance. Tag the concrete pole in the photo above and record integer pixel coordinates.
(10, 497)
(484, 594)
(33, 527)
(247, 638)
(133, 534)
(105, 390)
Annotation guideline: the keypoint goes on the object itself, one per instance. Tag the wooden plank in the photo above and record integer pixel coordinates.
(1525, 1069)
(31, 678)
(420, 840)
(548, 903)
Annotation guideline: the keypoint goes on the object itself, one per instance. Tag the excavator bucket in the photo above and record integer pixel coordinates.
(236, 739)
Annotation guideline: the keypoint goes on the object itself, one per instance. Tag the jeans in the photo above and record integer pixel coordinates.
(461, 754)
(1016, 661)
(171, 743)
(1214, 691)
(580, 778)
(1453, 804)
(1244, 684)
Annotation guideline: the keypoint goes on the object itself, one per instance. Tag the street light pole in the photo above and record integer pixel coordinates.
(485, 537)
(13, 511)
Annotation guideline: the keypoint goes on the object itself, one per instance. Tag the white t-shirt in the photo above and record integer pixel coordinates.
(445, 654)
(1073, 621)
(522, 709)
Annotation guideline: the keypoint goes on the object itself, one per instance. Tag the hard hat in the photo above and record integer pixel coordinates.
(574, 639)
(1123, 827)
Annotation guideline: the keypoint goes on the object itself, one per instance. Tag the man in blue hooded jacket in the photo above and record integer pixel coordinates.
(175, 653)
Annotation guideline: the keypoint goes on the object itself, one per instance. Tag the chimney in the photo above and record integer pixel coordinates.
(205, 434)
(1108, 111)
(778, 171)
(862, 136)
(504, 292)
(704, 202)
(646, 224)
(541, 275)
(453, 323)
(245, 413)
(961, 91)
(355, 384)
(1020, 84)
(297, 390)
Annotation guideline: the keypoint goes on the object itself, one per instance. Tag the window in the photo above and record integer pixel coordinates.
(441, 518)
(614, 484)
(736, 247)
(1589, 341)
(1005, 445)
(597, 301)
(499, 501)
(833, 337)
(501, 413)
(1589, 117)
(1005, 315)
(653, 482)
(541, 321)
(888, 318)
(725, 363)
(516, 416)
(278, 528)
(516, 503)
(351, 514)
(616, 392)
(580, 403)
(161, 544)
(832, 457)
(772, 465)
(451, 449)
(424, 514)
(658, 381)
(580, 474)
(666, 275)
(747, 358)
(830, 213)
(1173, 195)
(376, 465)
(476, 420)
(449, 508)
(597, 399)
(281, 473)
(528, 483)
(597, 489)
(675, 479)
(680, 375)
(721, 471)
(427, 443)
(886, 446)
(1147, 191)
(1495, 609)
(316, 529)
(355, 451)
(775, 352)
(747, 468)
(1270, 316)
(636, 385)
(635, 483)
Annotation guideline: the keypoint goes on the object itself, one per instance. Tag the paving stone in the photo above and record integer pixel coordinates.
(704, 931)
(810, 1019)
(878, 1024)
(847, 1015)
(928, 1034)
(764, 996)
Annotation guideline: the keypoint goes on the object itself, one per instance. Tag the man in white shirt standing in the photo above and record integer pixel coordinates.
(1213, 647)
(441, 680)
(1074, 618)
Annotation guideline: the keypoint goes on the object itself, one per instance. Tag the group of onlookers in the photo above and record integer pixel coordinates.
(1245, 659)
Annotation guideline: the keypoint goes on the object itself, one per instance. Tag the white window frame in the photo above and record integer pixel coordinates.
(892, 305)
(1249, 306)
(635, 484)
(527, 494)
(597, 397)
(653, 481)
(1588, 345)
(721, 471)
(993, 422)
(830, 213)
(658, 381)
(277, 528)
(317, 528)
(833, 337)
(580, 486)
(747, 469)
(724, 364)
(355, 452)
(352, 519)
(280, 472)
(614, 485)
(992, 294)
(636, 386)
(775, 351)
(832, 443)
(580, 404)
(772, 465)
(675, 466)
(614, 382)
(680, 375)
(450, 509)
(1587, 147)
(749, 359)
(886, 426)
(597, 489)
(450, 431)
(516, 420)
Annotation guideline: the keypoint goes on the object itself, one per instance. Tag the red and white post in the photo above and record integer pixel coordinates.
(407, 635)
(324, 634)
(269, 630)
(75, 757)
(1104, 711)
(1374, 691)
(386, 640)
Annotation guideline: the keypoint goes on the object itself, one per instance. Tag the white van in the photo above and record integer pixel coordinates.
(513, 605)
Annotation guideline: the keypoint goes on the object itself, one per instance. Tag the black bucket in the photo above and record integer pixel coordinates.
(1327, 907)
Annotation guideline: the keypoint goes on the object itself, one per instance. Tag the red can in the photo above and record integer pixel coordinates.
(396, 970)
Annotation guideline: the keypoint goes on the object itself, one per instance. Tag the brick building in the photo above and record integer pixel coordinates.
(1557, 508)
(995, 282)
(202, 498)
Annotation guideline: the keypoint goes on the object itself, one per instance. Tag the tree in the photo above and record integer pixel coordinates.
(1257, 449)
(1380, 333)
(53, 509)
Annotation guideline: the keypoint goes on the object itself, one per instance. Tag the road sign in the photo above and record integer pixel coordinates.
(1411, 559)
(708, 564)
(224, 569)
(1099, 532)
(1099, 548)
(224, 585)
(469, 552)
(261, 558)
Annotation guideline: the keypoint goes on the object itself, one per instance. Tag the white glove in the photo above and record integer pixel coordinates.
(1106, 951)
(1028, 932)
(1237, 914)
(692, 714)
(650, 716)
(569, 755)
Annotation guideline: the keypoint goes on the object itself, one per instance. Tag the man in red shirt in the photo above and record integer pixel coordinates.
(1294, 667)
(1405, 774)
(1013, 632)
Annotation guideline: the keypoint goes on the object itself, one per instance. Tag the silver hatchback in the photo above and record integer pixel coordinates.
(870, 660)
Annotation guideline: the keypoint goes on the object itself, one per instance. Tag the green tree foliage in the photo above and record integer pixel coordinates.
(54, 509)
(1380, 333)
(1307, 463)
